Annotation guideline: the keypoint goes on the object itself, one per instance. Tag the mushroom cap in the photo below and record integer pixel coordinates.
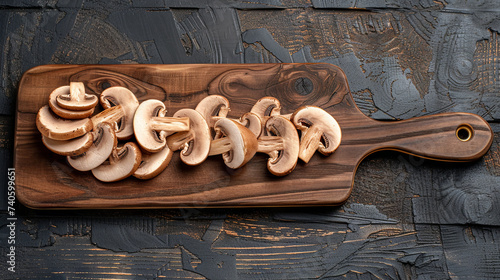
(100, 150)
(212, 108)
(153, 164)
(66, 113)
(120, 165)
(77, 99)
(284, 161)
(197, 149)
(243, 142)
(253, 122)
(72, 147)
(149, 139)
(56, 128)
(121, 96)
(266, 106)
(307, 116)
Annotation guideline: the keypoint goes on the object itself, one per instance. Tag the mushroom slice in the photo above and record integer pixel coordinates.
(66, 113)
(100, 150)
(264, 108)
(282, 145)
(70, 147)
(56, 128)
(151, 127)
(320, 131)
(114, 96)
(237, 146)
(195, 143)
(213, 108)
(253, 122)
(122, 163)
(153, 164)
(77, 99)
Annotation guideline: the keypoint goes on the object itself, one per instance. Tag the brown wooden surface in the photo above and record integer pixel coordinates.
(45, 180)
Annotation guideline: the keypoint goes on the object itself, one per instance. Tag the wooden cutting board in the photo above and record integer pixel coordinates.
(44, 180)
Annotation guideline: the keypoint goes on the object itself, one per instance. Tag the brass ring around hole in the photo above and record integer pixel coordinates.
(464, 132)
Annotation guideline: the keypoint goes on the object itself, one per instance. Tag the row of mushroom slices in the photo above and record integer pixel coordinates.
(103, 143)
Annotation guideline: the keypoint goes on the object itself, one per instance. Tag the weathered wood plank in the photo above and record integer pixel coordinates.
(273, 243)
(471, 252)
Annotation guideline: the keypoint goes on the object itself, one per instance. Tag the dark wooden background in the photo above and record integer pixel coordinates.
(407, 218)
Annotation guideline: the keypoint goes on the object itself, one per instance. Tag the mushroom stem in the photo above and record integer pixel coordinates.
(270, 144)
(111, 115)
(309, 143)
(151, 126)
(178, 140)
(170, 124)
(220, 146)
(76, 91)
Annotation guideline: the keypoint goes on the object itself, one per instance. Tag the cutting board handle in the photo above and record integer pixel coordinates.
(445, 137)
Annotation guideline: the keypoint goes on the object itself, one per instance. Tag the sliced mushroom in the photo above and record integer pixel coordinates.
(151, 127)
(252, 122)
(100, 150)
(77, 99)
(57, 128)
(195, 143)
(213, 108)
(66, 113)
(153, 164)
(70, 147)
(114, 96)
(216, 107)
(320, 131)
(282, 145)
(237, 145)
(122, 163)
(264, 108)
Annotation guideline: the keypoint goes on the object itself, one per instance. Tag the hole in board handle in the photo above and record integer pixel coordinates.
(464, 132)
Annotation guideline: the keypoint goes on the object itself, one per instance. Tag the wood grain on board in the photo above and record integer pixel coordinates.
(47, 181)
